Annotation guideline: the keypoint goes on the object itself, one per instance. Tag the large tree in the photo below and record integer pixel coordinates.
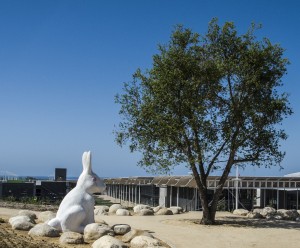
(211, 102)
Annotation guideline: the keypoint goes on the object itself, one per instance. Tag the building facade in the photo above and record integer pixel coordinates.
(246, 192)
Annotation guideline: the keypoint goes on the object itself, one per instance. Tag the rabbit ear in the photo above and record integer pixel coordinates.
(87, 162)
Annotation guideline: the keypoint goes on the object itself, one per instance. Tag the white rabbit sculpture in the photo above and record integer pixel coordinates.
(77, 208)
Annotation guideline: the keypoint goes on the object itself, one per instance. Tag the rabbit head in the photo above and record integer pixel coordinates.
(88, 180)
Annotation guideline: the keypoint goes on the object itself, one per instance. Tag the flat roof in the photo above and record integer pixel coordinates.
(189, 181)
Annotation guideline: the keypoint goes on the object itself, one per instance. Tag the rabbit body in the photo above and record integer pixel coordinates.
(77, 208)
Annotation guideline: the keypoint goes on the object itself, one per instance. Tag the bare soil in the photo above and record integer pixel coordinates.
(10, 238)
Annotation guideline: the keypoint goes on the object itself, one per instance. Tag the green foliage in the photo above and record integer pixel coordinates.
(32, 200)
(209, 101)
(99, 201)
(204, 97)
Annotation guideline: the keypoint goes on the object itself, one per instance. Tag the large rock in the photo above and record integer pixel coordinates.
(176, 210)
(145, 212)
(257, 210)
(134, 233)
(268, 211)
(291, 214)
(101, 210)
(108, 242)
(143, 242)
(122, 212)
(46, 216)
(100, 221)
(140, 207)
(156, 209)
(278, 217)
(113, 208)
(21, 222)
(254, 215)
(19, 218)
(71, 238)
(121, 229)
(95, 231)
(28, 213)
(164, 211)
(240, 211)
(43, 230)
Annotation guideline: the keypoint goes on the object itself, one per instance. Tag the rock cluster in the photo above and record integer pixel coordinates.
(269, 213)
(147, 210)
(140, 209)
(99, 234)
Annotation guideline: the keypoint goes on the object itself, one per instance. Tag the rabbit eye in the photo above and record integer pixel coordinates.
(94, 179)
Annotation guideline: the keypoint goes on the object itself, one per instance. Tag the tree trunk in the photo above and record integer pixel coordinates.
(208, 217)
(209, 211)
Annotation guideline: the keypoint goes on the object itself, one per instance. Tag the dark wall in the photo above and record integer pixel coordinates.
(17, 190)
(60, 174)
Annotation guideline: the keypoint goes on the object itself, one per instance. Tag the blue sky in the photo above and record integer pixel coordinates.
(62, 63)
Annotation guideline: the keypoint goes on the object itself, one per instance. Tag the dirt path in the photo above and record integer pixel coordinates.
(181, 231)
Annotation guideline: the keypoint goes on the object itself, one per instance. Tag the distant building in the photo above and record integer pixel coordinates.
(253, 192)
(60, 174)
(53, 190)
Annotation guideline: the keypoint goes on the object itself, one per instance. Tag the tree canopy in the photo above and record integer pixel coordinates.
(210, 101)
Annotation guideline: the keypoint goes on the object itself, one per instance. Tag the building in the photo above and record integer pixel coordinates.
(251, 192)
(53, 190)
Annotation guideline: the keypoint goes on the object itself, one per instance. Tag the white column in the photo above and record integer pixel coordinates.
(139, 194)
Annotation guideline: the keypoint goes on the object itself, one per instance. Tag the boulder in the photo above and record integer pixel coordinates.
(139, 207)
(113, 208)
(44, 230)
(278, 217)
(46, 216)
(176, 210)
(21, 222)
(155, 209)
(101, 210)
(164, 211)
(270, 216)
(241, 212)
(268, 211)
(121, 229)
(254, 215)
(122, 212)
(20, 218)
(257, 210)
(144, 212)
(28, 213)
(95, 231)
(108, 242)
(100, 221)
(134, 233)
(291, 214)
(143, 242)
(71, 238)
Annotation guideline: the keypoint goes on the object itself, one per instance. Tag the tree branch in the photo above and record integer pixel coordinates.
(250, 159)
(214, 158)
